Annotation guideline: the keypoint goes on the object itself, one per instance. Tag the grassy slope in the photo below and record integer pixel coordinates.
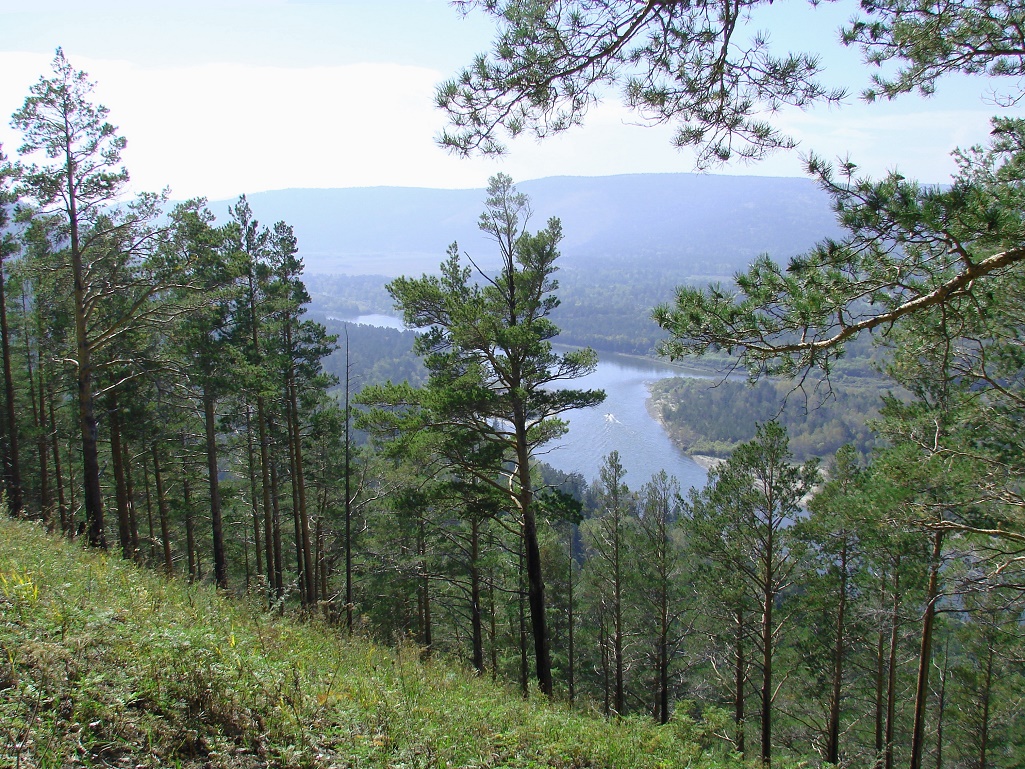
(103, 664)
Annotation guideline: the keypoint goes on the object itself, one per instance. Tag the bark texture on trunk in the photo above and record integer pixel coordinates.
(13, 469)
(165, 526)
(217, 524)
(925, 654)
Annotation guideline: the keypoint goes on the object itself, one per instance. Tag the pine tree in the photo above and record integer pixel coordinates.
(8, 247)
(609, 538)
(487, 347)
(742, 522)
(80, 188)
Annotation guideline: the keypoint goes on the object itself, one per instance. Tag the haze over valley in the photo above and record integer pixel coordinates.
(690, 225)
(607, 463)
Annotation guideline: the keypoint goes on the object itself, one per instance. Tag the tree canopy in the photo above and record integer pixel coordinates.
(909, 248)
(687, 63)
(704, 66)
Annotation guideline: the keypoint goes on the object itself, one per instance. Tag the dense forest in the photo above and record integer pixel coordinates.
(166, 396)
(714, 417)
(606, 308)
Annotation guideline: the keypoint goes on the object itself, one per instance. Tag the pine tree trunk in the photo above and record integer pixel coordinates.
(571, 619)
(12, 469)
(300, 483)
(300, 558)
(925, 654)
(251, 455)
(663, 654)
(279, 566)
(942, 704)
(133, 523)
(270, 525)
(606, 672)
(93, 495)
(347, 469)
(880, 710)
(833, 729)
(190, 529)
(210, 423)
(425, 589)
(987, 696)
(73, 527)
(272, 532)
(38, 417)
(768, 601)
(535, 580)
(522, 595)
(738, 699)
(149, 511)
(245, 560)
(493, 626)
(57, 471)
(165, 532)
(124, 529)
(617, 616)
(45, 487)
(891, 681)
(322, 566)
(476, 627)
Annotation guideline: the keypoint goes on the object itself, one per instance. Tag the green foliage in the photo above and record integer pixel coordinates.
(376, 355)
(909, 248)
(335, 297)
(714, 417)
(690, 606)
(741, 524)
(488, 402)
(84, 149)
(686, 63)
(609, 308)
(973, 36)
(487, 345)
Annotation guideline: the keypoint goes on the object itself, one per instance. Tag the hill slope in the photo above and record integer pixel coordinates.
(694, 224)
(107, 664)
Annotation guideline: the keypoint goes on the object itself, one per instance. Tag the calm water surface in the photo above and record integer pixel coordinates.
(622, 423)
(373, 319)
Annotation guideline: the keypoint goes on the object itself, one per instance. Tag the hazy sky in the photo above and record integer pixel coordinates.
(221, 97)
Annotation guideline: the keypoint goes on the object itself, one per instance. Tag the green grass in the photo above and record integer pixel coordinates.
(103, 663)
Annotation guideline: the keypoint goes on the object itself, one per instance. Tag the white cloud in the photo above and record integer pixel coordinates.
(218, 130)
(223, 129)
(916, 142)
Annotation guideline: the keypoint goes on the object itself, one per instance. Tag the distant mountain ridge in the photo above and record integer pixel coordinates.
(684, 224)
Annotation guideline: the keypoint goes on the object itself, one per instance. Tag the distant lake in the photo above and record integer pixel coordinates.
(622, 423)
(373, 319)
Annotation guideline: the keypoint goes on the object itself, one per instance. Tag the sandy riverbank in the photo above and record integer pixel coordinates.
(706, 462)
(703, 461)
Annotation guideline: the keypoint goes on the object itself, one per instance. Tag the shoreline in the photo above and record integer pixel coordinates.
(704, 461)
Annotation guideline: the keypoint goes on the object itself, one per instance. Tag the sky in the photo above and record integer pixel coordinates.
(222, 97)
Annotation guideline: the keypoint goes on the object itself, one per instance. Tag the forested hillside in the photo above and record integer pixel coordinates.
(370, 355)
(108, 664)
(608, 309)
(690, 224)
(713, 418)
(170, 402)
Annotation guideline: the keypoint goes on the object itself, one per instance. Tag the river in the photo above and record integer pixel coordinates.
(622, 423)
